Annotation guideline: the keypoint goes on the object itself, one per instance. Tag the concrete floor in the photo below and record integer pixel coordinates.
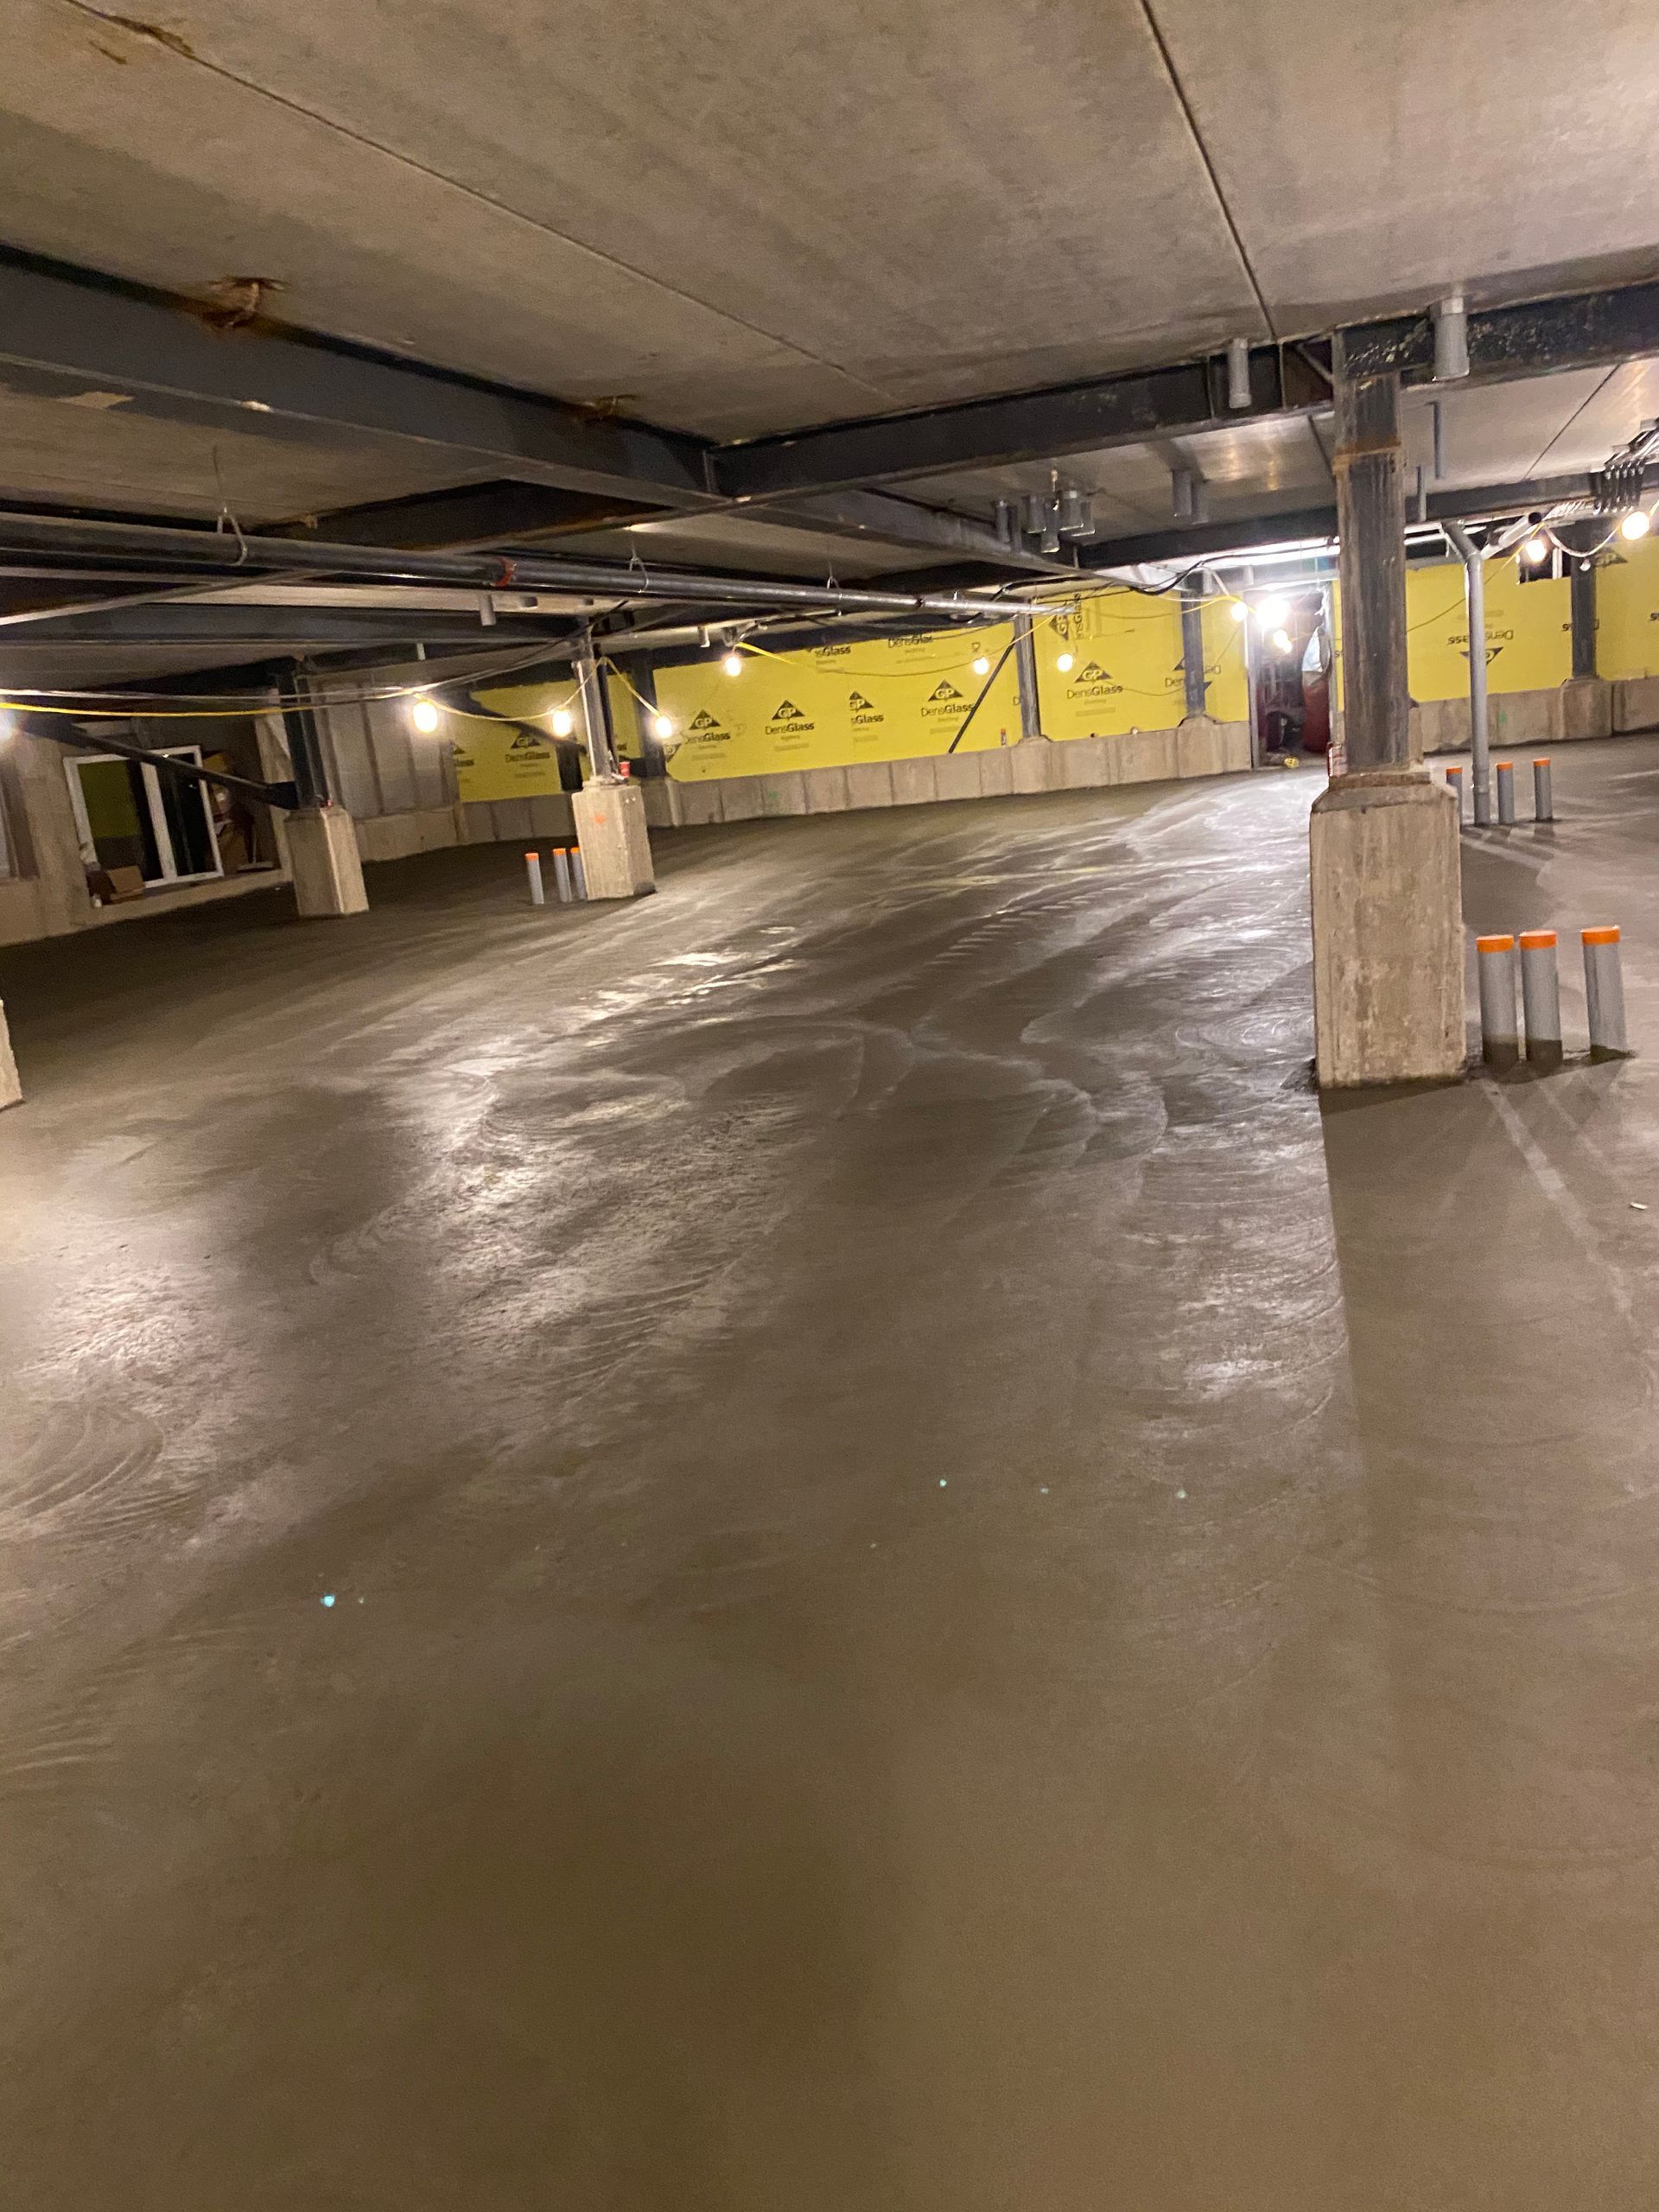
(945, 1596)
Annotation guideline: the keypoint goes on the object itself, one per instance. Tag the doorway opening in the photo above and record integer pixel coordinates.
(1290, 678)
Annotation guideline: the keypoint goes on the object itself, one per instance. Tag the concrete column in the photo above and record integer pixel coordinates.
(615, 844)
(11, 1090)
(1025, 670)
(1383, 842)
(323, 859)
(1197, 683)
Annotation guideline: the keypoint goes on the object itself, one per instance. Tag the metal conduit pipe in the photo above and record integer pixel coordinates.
(1474, 577)
(200, 549)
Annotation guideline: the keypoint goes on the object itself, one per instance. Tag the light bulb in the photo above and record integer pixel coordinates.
(1272, 613)
(1241, 611)
(563, 721)
(1637, 523)
(1282, 641)
(733, 663)
(1537, 550)
(1065, 664)
(661, 727)
(982, 666)
(424, 715)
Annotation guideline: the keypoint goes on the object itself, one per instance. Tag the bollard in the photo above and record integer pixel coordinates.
(1506, 791)
(533, 870)
(578, 873)
(1540, 997)
(1454, 784)
(1604, 995)
(1543, 799)
(1500, 1033)
(562, 875)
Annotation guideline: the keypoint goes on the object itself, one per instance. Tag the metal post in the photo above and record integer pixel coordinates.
(1500, 1033)
(595, 709)
(1506, 792)
(1474, 587)
(533, 871)
(578, 873)
(562, 875)
(1025, 669)
(1540, 997)
(1196, 683)
(1604, 994)
(1543, 797)
(1584, 590)
(1371, 515)
(1454, 784)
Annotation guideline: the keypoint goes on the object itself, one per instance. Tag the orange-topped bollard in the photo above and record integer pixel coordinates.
(1604, 994)
(533, 873)
(1543, 799)
(1540, 998)
(1506, 792)
(1500, 1031)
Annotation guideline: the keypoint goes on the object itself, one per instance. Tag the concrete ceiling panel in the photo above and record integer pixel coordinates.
(122, 154)
(741, 217)
(743, 542)
(1374, 154)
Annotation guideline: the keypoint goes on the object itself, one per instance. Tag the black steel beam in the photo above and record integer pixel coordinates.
(499, 513)
(1292, 526)
(208, 622)
(1583, 330)
(1123, 409)
(63, 328)
(76, 739)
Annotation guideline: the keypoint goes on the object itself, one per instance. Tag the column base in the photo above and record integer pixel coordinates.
(11, 1088)
(615, 845)
(1388, 931)
(323, 859)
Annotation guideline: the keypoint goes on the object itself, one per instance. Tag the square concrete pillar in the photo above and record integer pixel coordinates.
(615, 843)
(323, 859)
(1388, 931)
(11, 1091)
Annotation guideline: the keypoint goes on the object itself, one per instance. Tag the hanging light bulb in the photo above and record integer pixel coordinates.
(563, 721)
(1282, 641)
(1065, 664)
(661, 728)
(424, 715)
(1272, 613)
(1239, 610)
(1637, 523)
(1537, 550)
(982, 664)
(733, 663)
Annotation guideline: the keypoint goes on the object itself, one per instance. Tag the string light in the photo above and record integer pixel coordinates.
(733, 663)
(563, 721)
(1637, 523)
(661, 727)
(1065, 664)
(1282, 641)
(1240, 611)
(1272, 613)
(1537, 550)
(424, 715)
(982, 664)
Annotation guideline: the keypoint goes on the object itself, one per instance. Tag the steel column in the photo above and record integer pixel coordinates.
(1370, 464)
(1474, 583)
(596, 710)
(1025, 670)
(1196, 683)
(1584, 618)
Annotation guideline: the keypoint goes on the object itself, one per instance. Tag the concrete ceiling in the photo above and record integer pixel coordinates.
(734, 219)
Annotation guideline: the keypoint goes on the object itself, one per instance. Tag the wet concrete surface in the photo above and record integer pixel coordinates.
(946, 1595)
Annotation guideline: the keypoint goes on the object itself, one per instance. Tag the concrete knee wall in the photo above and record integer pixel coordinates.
(1589, 706)
(1198, 748)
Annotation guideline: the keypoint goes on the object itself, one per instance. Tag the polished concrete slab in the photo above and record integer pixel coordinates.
(821, 1544)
